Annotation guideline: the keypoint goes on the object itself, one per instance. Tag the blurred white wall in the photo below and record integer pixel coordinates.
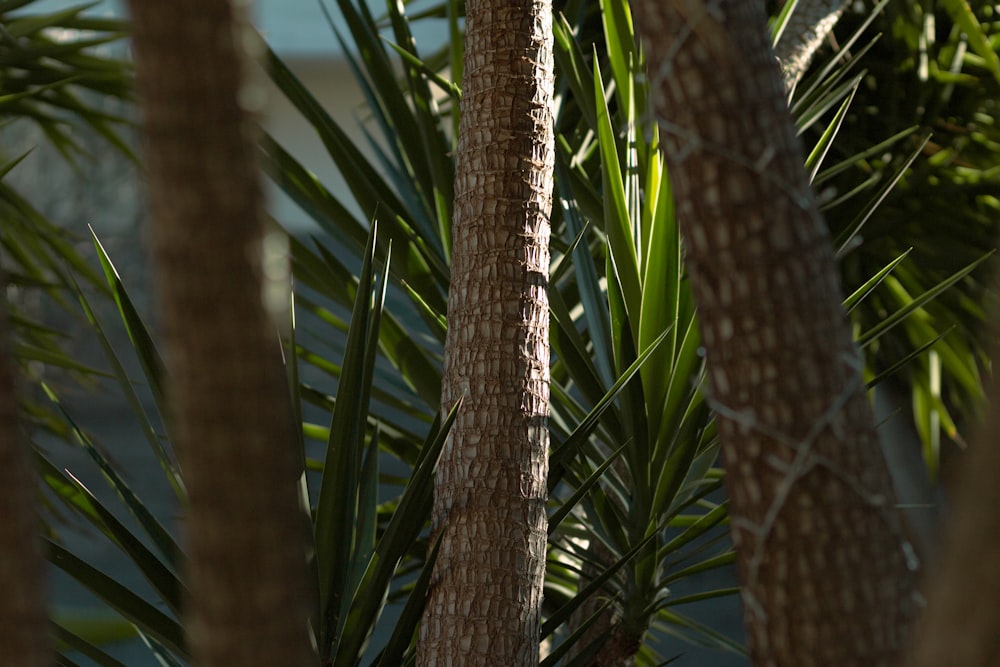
(331, 81)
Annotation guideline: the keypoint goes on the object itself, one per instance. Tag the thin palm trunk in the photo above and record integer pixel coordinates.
(961, 625)
(617, 647)
(484, 601)
(230, 410)
(811, 22)
(826, 573)
(24, 624)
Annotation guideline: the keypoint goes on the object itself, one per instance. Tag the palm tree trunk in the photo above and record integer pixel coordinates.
(231, 414)
(961, 625)
(485, 597)
(24, 624)
(826, 573)
(810, 23)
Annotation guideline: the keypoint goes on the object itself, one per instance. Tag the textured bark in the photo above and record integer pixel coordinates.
(598, 558)
(24, 623)
(810, 23)
(229, 405)
(961, 625)
(827, 575)
(619, 647)
(485, 596)
(619, 650)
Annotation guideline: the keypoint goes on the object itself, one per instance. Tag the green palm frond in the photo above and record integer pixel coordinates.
(54, 75)
(918, 137)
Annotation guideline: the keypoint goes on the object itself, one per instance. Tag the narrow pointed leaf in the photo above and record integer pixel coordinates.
(149, 619)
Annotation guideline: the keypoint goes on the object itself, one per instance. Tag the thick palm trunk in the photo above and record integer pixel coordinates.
(485, 597)
(24, 624)
(825, 570)
(230, 408)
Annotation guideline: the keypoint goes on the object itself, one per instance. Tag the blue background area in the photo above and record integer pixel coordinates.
(293, 28)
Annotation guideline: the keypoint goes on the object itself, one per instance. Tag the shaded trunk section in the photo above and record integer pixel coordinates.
(961, 625)
(485, 595)
(24, 621)
(606, 641)
(230, 410)
(827, 575)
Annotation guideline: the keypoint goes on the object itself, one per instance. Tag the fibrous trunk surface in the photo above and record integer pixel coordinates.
(24, 622)
(810, 24)
(825, 570)
(485, 596)
(230, 410)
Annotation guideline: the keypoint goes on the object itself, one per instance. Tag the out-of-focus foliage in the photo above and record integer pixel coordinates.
(930, 82)
(54, 72)
(56, 76)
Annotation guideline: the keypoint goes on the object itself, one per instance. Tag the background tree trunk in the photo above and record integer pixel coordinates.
(24, 621)
(827, 577)
(230, 408)
(811, 22)
(961, 625)
(618, 647)
(485, 596)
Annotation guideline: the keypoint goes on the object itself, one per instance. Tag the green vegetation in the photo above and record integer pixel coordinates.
(636, 500)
